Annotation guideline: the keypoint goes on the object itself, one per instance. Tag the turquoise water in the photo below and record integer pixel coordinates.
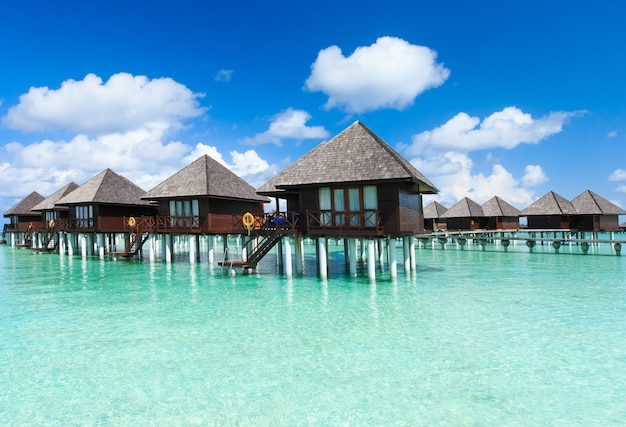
(473, 338)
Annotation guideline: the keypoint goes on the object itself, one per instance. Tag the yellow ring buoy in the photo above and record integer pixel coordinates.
(131, 221)
(247, 219)
(51, 223)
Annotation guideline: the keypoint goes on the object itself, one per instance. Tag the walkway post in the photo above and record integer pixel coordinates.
(287, 252)
(299, 242)
(352, 255)
(167, 248)
(412, 253)
(406, 254)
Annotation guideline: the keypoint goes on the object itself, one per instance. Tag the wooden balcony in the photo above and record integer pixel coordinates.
(344, 223)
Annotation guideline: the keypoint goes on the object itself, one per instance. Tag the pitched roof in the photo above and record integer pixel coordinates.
(464, 208)
(356, 154)
(550, 204)
(589, 203)
(434, 210)
(48, 203)
(498, 207)
(105, 188)
(24, 206)
(204, 177)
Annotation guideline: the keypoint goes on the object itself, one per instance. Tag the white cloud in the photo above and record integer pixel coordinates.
(391, 73)
(612, 134)
(123, 103)
(618, 175)
(289, 124)
(453, 174)
(224, 75)
(621, 188)
(505, 129)
(533, 176)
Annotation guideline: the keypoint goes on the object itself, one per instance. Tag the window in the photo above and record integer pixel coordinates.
(351, 206)
(185, 213)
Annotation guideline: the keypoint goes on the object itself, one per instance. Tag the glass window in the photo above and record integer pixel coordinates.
(324, 196)
(370, 197)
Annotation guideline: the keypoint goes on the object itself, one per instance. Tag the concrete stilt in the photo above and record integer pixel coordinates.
(412, 253)
(381, 253)
(391, 251)
(192, 248)
(299, 243)
(211, 243)
(371, 260)
(287, 254)
(322, 260)
(352, 256)
(167, 248)
(407, 255)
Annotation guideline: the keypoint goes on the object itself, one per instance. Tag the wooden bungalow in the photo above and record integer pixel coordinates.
(103, 204)
(22, 219)
(432, 217)
(594, 213)
(355, 185)
(466, 214)
(551, 211)
(500, 215)
(48, 208)
(204, 197)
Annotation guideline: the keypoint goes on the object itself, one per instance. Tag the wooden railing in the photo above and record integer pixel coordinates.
(284, 222)
(165, 224)
(351, 221)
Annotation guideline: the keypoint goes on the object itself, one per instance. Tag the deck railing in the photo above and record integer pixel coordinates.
(284, 222)
(355, 221)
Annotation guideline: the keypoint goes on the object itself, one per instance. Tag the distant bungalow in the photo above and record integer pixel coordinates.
(465, 214)
(551, 211)
(594, 213)
(22, 219)
(500, 215)
(52, 216)
(432, 216)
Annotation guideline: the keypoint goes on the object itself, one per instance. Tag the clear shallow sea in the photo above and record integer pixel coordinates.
(473, 338)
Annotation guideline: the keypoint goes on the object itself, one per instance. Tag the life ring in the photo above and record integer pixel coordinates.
(247, 219)
(131, 222)
(51, 223)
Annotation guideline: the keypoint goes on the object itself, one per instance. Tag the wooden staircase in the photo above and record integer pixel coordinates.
(138, 235)
(258, 253)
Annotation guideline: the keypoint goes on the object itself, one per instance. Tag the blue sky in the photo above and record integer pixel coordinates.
(513, 99)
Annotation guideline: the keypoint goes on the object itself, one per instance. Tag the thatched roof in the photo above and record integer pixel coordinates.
(205, 177)
(50, 202)
(589, 203)
(355, 155)
(106, 188)
(496, 207)
(434, 210)
(464, 208)
(24, 206)
(550, 204)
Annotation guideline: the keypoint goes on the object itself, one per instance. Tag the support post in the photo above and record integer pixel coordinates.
(287, 252)
(406, 254)
(299, 242)
(391, 251)
(352, 256)
(322, 257)
(371, 260)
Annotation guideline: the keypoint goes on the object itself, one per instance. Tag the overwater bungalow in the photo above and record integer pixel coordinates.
(22, 220)
(551, 211)
(465, 214)
(500, 215)
(594, 213)
(432, 217)
(101, 208)
(353, 186)
(203, 198)
(52, 216)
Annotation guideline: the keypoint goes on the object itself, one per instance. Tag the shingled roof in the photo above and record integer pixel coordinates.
(24, 206)
(49, 203)
(204, 177)
(434, 210)
(550, 204)
(495, 207)
(589, 203)
(105, 188)
(464, 208)
(355, 155)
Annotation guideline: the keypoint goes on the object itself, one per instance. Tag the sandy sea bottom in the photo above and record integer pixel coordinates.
(472, 338)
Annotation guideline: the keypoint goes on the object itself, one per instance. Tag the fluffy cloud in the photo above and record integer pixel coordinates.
(91, 106)
(618, 175)
(290, 124)
(224, 75)
(443, 154)
(504, 129)
(391, 73)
